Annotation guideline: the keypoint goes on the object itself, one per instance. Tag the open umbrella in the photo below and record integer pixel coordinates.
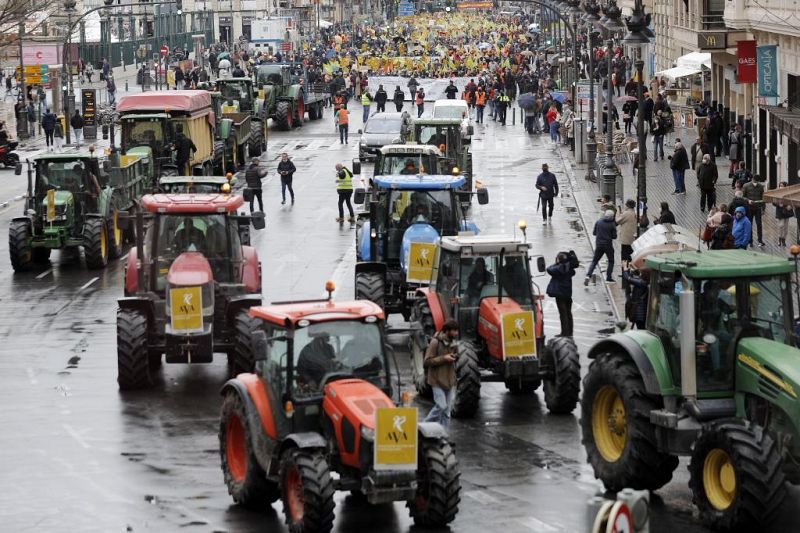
(558, 97)
(626, 98)
(527, 101)
(484, 46)
(223, 55)
(526, 53)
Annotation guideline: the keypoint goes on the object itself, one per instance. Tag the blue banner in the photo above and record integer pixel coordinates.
(767, 70)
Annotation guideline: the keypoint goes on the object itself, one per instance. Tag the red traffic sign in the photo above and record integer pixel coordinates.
(164, 50)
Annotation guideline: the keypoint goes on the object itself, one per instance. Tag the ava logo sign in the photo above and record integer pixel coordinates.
(518, 334)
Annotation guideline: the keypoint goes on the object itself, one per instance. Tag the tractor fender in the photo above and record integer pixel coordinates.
(259, 415)
(29, 220)
(431, 430)
(140, 304)
(371, 266)
(131, 274)
(305, 439)
(251, 273)
(239, 303)
(656, 383)
(437, 309)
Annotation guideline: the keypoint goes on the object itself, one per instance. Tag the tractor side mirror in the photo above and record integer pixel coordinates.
(259, 220)
(540, 264)
(123, 220)
(225, 126)
(258, 344)
(483, 196)
(18, 168)
(356, 166)
(359, 196)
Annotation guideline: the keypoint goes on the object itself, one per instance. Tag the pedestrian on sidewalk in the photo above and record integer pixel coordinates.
(286, 170)
(343, 120)
(753, 192)
(783, 213)
(658, 130)
(398, 98)
(707, 176)
(699, 149)
(605, 232)
(440, 364)
(636, 295)
(89, 72)
(666, 215)
(742, 229)
(721, 224)
(741, 176)
(30, 112)
(626, 228)
(9, 89)
(679, 163)
(628, 111)
(553, 120)
(420, 102)
(105, 69)
(58, 136)
(735, 149)
(111, 87)
(252, 177)
(344, 188)
(560, 288)
(49, 125)
(547, 185)
(77, 127)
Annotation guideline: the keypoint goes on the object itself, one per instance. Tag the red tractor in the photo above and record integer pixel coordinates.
(188, 284)
(319, 403)
(484, 282)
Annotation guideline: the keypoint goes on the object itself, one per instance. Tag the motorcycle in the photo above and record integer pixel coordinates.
(7, 156)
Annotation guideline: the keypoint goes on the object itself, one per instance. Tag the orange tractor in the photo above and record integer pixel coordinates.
(319, 403)
(189, 281)
(484, 283)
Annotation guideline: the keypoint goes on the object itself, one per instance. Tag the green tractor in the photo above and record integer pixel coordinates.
(714, 377)
(446, 134)
(288, 95)
(235, 100)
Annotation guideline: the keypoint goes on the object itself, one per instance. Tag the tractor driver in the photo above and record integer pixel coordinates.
(410, 169)
(515, 279)
(418, 207)
(189, 238)
(437, 139)
(316, 359)
(478, 279)
(716, 312)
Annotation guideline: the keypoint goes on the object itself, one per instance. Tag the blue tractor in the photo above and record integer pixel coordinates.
(398, 234)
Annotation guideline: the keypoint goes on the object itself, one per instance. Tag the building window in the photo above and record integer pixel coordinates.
(794, 91)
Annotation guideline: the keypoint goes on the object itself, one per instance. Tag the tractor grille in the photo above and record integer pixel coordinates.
(768, 388)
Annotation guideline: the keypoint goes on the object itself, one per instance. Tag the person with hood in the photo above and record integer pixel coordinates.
(398, 98)
(547, 184)
(560, 288)
(707, 176)
(440, 363)
(626, 227)
(741, 229)
(380, 99)
(679, 162)
(605, 231)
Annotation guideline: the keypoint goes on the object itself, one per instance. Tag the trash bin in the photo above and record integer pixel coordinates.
(579, 126)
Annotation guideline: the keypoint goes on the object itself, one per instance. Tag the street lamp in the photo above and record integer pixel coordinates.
(613, 24)
(66, 74)
(108, 4)
(591, 17)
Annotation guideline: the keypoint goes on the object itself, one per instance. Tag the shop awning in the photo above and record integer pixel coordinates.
(695, 60)
(678, 72)
(788, 195)
(785, 120)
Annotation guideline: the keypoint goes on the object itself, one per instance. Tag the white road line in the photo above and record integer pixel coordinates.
(74, 435)
(32, 376)
(86, 285)
(45, 273)
(536, 525)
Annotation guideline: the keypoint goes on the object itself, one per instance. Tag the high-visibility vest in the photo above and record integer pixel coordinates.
(343, 116)
(480, 98)
(346, 183)
(365, 101)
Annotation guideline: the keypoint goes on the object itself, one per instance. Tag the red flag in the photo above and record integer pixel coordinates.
(746, 54)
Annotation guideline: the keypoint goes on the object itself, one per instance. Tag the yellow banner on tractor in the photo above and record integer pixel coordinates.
(421, 258)
(396, 438)
(519, 334)
(186, 309)
(51, 205)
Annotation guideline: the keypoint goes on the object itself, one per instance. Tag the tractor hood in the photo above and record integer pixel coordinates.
(490, 320)
(774, 364)
(356, 400)
(189, 269)
(417, 232)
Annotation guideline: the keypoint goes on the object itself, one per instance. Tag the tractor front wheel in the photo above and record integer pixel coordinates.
(284, 115)
(736, 476)
(307, 491)
(562, 363)
(134, 368)
(95, 243)
(19, 245)
(242, 359)
(421, 315)
(438, 485)
(619, 439)
(468, 381)
(370, 286)
(246, 480)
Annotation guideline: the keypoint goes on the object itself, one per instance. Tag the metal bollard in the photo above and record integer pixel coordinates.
(514, 116)
(126, 85)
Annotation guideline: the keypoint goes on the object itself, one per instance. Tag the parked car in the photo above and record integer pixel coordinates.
(382, 129)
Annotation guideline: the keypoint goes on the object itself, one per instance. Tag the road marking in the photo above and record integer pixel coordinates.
(45, 273)
(86, 285)
(32, 376)
(74, 435)
(536, 525)
(482, 497)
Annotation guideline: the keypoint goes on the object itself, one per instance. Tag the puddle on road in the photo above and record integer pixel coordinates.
(73, 361)
(570, 209)
(576, 225)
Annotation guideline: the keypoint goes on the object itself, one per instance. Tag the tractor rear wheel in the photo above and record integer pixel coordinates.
(619, 439)
(19, 245)
(246, 480)
(370, 286)
(95, 243)
(438, 485)
(468, 381)
(300, 110)
(312, 112)
(736, 476)
(242, 359)
(135, 368)
(307, 491)
(562, 362)
(114, 232)
(421, 314)
(284, 118)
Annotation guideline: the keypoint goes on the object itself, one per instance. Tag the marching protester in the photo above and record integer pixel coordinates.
(440, 365)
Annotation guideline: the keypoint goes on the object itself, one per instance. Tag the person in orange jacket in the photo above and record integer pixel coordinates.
(480, 103)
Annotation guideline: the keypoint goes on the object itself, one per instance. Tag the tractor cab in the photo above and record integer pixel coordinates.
(443, 133)
(75, 180)
(403, 159)
(196, 184)
(274, 74)
(237, 90)
(146, 134)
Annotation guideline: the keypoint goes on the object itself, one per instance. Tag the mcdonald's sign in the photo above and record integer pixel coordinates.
(712, 40)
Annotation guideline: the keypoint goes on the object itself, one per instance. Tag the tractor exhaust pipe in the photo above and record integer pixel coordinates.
(500, 276)
(688, 343)
(140, 250)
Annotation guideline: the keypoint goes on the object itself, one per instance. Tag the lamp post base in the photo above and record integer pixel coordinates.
(591, 156)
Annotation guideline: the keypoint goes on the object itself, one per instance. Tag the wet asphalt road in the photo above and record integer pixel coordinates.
(77, 455)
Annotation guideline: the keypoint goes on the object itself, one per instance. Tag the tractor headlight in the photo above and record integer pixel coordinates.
(367, 433)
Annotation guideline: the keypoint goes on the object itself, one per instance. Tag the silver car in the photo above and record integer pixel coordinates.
(382, 129)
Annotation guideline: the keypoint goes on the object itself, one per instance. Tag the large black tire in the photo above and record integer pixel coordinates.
(284, 115)
(241, 359)
(312, 112)
(562, 362)
(736, 476)
(468, 381)
(256, 138)
(421, 314)
(299, 108)
(115, 234)
(633, 459)
(135, 368)
(307, 491)
(438, 484)
(370, 286)
(246, 480)
(95, 243)
(19, 245)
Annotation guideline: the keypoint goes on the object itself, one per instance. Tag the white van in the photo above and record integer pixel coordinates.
(454, 109)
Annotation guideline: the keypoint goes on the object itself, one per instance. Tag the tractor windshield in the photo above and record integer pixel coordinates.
(63, 175)
(138, 132)
(438, 135)
(238, 91)
(410, 164)
(345, 346)
(481, 277)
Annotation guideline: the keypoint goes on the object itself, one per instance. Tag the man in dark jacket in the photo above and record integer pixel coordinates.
(412, 88)
(547, 184)
(380, 99)
(679, 163)
(560, 288)
(77, 127)
(398, 98)
(738, 201)
(183, 147)
(605, 231)
(286, 170)
(451, 91)
(753, 192)
(440, 366)
(666, 215)
(49, 126)
(253, 176)
(707, 176)
(699, 149)
(636, 301)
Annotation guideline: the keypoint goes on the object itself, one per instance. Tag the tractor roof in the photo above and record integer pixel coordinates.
(485, 244)
(290, 313)
(411, 149)
(187, 101)
(223, 80)
(455, 122)
(420, 182)
(191, 203)
(169, 180)
(70, 156)
(720, 263)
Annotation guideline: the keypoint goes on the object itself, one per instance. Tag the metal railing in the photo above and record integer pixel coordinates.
(713, 20)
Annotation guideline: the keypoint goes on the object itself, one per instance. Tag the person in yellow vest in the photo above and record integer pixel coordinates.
(343, 120)
(344, 187)
(230, 106)
(366, 101)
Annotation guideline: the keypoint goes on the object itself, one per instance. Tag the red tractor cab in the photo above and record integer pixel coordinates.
(186, 282)
(484, 282)
(319, 402)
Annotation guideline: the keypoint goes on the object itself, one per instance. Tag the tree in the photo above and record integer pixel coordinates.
(33, 13)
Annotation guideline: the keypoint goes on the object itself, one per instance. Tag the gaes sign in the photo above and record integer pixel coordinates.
(746, 55)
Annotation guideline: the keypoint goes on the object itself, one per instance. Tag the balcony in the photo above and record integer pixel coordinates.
(774, 16)
(713, 21)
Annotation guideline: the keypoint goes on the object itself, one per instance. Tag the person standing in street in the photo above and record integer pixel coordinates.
(366, 101)
(480, 104)
(605, 232)
(560, 288)
(742, 229)
(286, 170)
(58, 136)
(111, 87)
(502, 106)
(754, 194)
(77, 127)
(343, 120)
(31, 114)
(380, 99)
(707, 176)
(547, 185)
(658, 130)
(626, 228)
(636, 296)
(412, 89)
(451, 91)
(398, 98)
(679, 163)
(440, 364)
(49, 125)
(184, 148)
(420, 102)
(252, 177)
(344, 187)
(735, 149)
(783, 213)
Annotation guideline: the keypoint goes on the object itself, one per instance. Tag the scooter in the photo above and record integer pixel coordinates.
(7, 156)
